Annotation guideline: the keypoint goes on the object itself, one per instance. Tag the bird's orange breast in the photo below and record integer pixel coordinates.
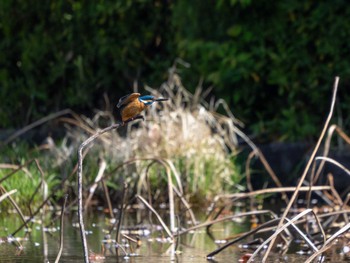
(132, 109)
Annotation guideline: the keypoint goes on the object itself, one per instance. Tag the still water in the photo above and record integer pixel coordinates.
(43, 246)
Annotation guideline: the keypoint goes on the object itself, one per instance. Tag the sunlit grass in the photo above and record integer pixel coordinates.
(31, 187)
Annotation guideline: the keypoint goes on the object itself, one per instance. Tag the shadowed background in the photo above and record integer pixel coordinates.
(273, 62)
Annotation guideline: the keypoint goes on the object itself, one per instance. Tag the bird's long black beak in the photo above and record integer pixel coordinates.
(161, 99)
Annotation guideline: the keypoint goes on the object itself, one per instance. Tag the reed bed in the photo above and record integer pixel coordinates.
(183, 151)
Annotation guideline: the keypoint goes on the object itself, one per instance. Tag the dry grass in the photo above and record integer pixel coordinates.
(188, 132)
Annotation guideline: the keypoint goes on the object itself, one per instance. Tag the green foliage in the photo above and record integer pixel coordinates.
(26, 183)
(274, 61)
(27, 180)
(59, 54)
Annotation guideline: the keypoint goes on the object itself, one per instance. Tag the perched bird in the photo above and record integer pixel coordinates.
(130, 106)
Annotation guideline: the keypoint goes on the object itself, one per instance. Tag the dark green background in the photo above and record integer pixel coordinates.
(274, 62)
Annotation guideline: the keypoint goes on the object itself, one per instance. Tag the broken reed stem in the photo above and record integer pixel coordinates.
(329, 243)
(251, 232)
(262, 159)
(247, 171)
(312, 245)
(39, 185)
(327, 159)
(222, 219)
(277, 232)
(268, 226)
(37, 123)
(13, 202)
(102, 167)
(273, 190)
(80, 185)
(49, 197)
(34, 214)
(108, 199)
(61, 230)
(186, 204)
(16, 170)
(121, 213)
(331, 130)
(157, 215)
(5, 195)
(286, 211)
(171, 200)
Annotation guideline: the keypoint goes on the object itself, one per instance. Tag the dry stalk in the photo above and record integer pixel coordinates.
(331, 181)
(226, 218)
(108, 199)
(272, 190)
(331, 130)
(277, 232)
(5, 195)
(15, 205)
(80, 123)
(37, 123)
(335, 88)
(333, 162)
(42, 181)
(61, 230)
(262, 158)
(303, 235)
(243, 236)
(334, 192)
(18, 168)
(121, 212)
(34, 214)
(329, 243)
(14, 167)
(268, 226)
(168, 166)
(99, 176)
(157, 216)
(247, 171)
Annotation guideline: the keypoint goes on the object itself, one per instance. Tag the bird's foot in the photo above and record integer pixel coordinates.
(132, 119)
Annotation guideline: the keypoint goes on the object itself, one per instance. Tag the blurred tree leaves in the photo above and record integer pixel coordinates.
(57, 54)
(274, 62)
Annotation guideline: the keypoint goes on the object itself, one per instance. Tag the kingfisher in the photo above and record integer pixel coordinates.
(130, 106)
